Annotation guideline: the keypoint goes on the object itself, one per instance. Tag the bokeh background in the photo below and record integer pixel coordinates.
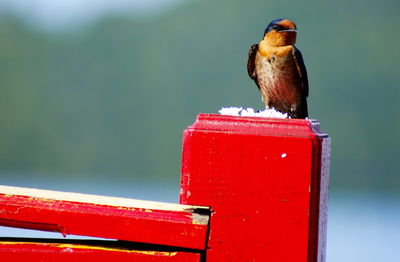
(95, 94)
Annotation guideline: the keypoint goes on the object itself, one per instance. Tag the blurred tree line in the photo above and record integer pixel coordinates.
(112, 99)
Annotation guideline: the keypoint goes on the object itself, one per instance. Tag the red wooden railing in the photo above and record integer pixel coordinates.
(252, 189)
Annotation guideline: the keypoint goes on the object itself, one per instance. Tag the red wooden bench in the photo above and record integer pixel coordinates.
(252, 189)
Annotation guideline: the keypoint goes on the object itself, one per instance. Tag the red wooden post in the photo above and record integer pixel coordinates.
(265, 180)
(266, 183)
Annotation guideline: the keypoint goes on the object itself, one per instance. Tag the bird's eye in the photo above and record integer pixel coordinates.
(272, 27)
(275, 27)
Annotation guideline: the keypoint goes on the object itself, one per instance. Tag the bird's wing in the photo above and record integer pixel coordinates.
(251, 62)
(301, 68)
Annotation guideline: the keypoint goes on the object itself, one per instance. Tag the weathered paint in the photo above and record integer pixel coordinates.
(120, 202)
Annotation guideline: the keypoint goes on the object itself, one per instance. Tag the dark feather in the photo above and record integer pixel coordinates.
(298, 58)
(251, 62)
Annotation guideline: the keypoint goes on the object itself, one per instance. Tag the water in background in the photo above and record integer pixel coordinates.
(362, 228)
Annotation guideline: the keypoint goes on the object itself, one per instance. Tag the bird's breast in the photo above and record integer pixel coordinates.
(276, 77)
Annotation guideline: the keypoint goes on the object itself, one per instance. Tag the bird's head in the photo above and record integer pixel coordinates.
(280, 32)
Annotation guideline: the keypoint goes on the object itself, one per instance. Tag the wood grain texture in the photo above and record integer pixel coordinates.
(67, 213)
(266, 183)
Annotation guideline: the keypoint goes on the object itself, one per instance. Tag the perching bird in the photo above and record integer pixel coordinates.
(277, 68)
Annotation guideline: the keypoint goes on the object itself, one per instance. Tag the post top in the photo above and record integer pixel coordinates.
(257, 125)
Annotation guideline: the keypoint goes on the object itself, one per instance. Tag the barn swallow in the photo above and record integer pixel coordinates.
(278, 69)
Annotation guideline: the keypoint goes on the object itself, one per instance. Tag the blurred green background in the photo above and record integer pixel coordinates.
(111, 97)
(105, 96)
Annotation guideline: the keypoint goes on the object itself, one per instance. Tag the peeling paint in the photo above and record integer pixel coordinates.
(199, 219)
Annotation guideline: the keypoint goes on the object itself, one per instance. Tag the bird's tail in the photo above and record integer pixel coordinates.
(303, 110)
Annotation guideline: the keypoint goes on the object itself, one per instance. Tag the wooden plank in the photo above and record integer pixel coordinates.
(60, 252)
(105, 217)
(266, 183)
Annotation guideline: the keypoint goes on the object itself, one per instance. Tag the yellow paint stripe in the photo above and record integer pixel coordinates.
(80, 246)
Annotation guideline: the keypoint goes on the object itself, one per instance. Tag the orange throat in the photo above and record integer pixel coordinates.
(275, 38)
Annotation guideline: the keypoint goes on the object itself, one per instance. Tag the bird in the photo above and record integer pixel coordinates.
(277, 67)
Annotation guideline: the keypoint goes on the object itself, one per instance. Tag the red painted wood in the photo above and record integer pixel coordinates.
(164, 227)
(39, 252)
(266, 183)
